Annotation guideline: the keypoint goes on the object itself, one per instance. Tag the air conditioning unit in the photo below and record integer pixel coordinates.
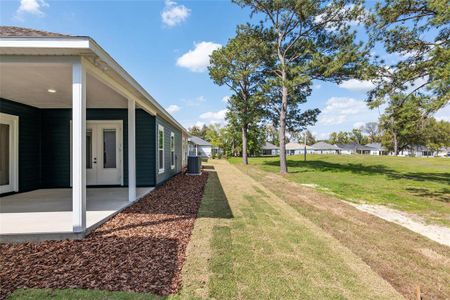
(194, 165)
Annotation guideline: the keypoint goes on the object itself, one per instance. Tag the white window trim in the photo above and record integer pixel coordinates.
(172, 166)
(161, 170)
(13, 185)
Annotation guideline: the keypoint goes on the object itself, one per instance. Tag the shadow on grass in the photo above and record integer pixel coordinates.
(358, 168)
(214, 203)
(442, 195)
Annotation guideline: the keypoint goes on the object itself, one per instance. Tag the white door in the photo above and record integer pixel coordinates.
(104, 153)
(108, 159)
(9, 153)
(91, 154)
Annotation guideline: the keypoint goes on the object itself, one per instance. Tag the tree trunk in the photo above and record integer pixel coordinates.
(282, 130)
(394, 135)
(244, 145)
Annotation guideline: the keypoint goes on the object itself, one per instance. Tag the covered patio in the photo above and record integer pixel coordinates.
(68, 114)
(46, 214)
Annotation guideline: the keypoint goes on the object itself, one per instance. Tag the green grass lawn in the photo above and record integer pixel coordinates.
(416, 185)
(248, 244)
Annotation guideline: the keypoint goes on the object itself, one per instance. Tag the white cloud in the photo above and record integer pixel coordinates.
(197, 59)
(173, 13)
(316, 86)
(443, 114)
(33, 7)
(357, 85)
(339, 109)
(194, 102)
(173, 108)
(226, 99)
(214, 117)
(358, 125)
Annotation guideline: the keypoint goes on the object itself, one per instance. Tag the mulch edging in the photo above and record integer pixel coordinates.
(141, 249)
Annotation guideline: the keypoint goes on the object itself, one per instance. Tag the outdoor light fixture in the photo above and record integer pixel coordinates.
(52, 91)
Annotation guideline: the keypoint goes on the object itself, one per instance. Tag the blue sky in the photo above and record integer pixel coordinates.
(165, 45)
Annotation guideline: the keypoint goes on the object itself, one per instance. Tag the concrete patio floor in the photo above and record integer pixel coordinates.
(47, 213)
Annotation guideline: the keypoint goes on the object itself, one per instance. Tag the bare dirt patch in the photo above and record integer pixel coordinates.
(141, 249)
(414, 223)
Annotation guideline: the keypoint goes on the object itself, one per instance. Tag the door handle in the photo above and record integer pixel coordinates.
(95, 160)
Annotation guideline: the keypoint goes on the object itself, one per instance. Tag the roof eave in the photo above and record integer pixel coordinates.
(81, 44)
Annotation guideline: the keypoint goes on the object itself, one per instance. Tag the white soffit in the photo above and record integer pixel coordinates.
(29, 84)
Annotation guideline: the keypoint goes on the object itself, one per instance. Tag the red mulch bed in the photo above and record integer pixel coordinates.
(141, 249)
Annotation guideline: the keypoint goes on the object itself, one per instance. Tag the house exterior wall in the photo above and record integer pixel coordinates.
(319, 151)
(298, 151)
(56, 160)
(29, 143)
(168, 172)
(44, 144)
(56, 143)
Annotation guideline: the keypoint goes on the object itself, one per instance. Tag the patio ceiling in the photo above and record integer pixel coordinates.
(30, 84)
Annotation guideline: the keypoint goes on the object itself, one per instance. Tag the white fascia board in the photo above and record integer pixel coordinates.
(49, 43)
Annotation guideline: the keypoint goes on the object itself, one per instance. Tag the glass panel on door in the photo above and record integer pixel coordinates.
(109, 149)
(4, 154)
(89, 149)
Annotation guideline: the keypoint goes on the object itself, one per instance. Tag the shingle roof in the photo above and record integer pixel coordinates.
(198, 141)
(13, 31)
(295, 146)
(269, 146)
(376, 146)
(354, 146)
(324, 146)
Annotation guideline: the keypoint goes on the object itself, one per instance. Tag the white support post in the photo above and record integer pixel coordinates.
(131, 150)
(79, 147)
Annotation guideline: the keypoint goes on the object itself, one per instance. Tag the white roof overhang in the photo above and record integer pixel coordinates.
(97, 60)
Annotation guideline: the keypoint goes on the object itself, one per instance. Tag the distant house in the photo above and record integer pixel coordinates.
(377, 149)
(270, 149)
(296, 148)
(199, 147)
(354, 148)
(325, 148)
(417, 151)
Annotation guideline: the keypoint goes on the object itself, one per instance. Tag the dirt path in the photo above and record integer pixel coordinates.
(405, 259)
(436, 233)
(266, 249)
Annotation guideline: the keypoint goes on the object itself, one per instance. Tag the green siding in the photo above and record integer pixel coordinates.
(56, 142)
(29, 143)
(57, 173)
(145, 149)
(168, 172)
(44, 144)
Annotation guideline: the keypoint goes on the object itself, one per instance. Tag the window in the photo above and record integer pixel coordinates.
(109, 148)
(161, 148)
(172, 150)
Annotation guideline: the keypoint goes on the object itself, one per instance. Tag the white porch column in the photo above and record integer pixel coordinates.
(79, 147)
(131, 150)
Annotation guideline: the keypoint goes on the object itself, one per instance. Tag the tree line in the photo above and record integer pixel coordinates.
(397, 135)
(271, 62)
